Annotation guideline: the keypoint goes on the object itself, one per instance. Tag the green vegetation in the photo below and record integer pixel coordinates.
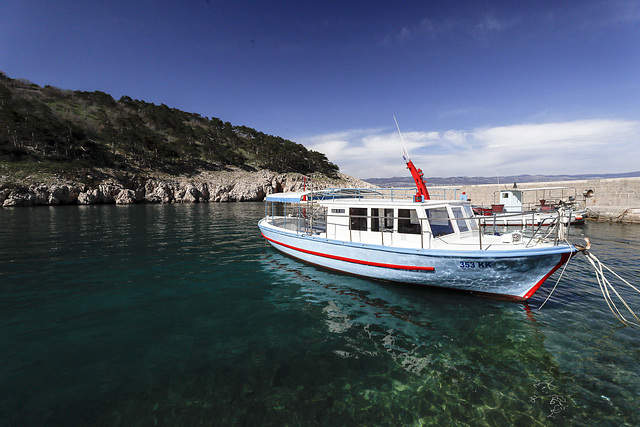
(50, 130)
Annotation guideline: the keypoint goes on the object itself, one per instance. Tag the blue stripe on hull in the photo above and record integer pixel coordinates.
(515, 274)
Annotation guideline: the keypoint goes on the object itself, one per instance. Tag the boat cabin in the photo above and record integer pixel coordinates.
(511, 200)
(389, 223)
(377, 221)
(540, 199)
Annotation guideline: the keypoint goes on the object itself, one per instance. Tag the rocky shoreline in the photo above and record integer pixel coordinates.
(234, 185)
(238, 185)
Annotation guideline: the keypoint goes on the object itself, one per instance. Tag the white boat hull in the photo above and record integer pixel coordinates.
(516, 273)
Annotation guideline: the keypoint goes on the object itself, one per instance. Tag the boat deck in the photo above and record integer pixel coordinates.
(470, 241)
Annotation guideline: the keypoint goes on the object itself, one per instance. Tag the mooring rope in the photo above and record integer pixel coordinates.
(563, 268)
(555, 286)
(605, 285)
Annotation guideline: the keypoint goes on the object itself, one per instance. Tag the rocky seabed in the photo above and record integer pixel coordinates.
(204, 188)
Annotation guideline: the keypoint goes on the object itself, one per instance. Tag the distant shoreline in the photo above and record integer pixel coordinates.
(404, 181)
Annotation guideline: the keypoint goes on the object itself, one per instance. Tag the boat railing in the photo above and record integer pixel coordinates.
(389, 193)
(535, 227)
(545, 205)
(557, 226)
(529, 220)
(311, 219)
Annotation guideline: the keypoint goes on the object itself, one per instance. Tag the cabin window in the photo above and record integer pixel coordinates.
(381, 218)
(462, 223)
(439, 221)
(387, 224)
(469, 214)
(375, 219)
(358, 219)
(408, 222)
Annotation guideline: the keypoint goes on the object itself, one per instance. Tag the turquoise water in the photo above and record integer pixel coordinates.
(182, 315)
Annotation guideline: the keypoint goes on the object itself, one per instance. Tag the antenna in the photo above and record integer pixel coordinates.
(402, 139)
(422, 193)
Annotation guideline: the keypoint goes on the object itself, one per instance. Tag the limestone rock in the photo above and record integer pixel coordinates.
(125, 197)
(107, 192)
(228, 185)
(89, 197)
(63, 195)
(190, 195)
(4, 194)
(20, 198)
(158, 192)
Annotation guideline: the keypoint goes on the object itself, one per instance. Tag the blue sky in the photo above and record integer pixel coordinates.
(478, 88)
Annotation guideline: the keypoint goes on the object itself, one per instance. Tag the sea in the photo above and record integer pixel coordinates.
(182, 315)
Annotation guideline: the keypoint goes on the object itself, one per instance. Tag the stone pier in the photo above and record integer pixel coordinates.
(615, 199)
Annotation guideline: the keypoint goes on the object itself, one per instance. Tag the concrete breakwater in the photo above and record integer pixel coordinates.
(615, 199)
(223, 186)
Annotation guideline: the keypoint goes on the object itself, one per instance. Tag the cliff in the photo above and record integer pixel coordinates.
(230, 185)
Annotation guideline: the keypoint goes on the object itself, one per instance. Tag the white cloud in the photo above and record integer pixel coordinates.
(583, 146)
(404, 34)
(611, 14)
(456, 137)
(557, 135)
(488, 26)
(480, 28)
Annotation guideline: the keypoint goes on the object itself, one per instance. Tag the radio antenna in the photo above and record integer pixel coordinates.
(404, 146)
(422, 193)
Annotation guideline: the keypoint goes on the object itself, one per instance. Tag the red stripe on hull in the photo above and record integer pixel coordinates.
(565, 258)
(354, 261)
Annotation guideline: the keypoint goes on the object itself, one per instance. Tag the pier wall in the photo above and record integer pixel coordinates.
(613, 199)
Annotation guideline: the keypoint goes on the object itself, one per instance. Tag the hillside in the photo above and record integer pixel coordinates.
(76, 134)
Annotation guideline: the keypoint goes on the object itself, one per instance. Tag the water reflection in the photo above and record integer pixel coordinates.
(480, 354)
(570, 360)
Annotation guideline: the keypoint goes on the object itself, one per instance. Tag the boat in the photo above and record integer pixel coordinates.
(406, 236)
(534, 207)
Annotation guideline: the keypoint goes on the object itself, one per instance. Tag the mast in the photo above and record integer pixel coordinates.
(421, 194)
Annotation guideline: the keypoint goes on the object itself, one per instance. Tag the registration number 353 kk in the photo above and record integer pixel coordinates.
(473, 264)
